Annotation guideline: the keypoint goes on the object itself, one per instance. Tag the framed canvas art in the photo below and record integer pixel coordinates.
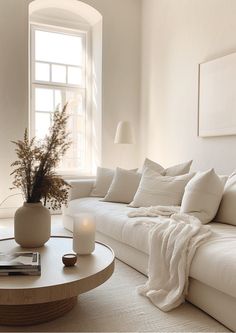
(217, 97)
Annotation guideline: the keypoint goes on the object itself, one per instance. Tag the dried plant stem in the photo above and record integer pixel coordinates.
(35, 168)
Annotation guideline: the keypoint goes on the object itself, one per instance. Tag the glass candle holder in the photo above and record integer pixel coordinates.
(84, 234)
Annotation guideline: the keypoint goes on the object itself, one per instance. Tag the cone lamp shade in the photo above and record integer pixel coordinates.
(124, 133)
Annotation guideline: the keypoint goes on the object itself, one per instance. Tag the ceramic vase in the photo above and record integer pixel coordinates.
(32, 225)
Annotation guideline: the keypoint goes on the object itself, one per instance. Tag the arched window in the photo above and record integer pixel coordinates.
(65, 67)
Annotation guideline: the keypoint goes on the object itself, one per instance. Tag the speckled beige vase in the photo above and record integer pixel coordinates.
(32, 225)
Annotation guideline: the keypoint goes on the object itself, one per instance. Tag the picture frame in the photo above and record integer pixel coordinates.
(217, 97)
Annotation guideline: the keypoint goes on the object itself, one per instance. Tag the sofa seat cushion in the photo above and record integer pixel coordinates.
(214, 263)
(112, 220)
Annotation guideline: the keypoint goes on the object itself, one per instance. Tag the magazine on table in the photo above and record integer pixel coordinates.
(20, 263)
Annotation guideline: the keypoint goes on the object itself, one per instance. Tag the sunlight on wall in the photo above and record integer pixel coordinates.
(69, 13)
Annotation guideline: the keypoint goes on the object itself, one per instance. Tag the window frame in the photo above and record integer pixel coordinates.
(85, 33)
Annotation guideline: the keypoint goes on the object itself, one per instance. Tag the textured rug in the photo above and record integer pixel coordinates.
(115, 306)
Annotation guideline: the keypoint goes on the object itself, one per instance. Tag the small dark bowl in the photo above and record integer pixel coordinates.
(69, 259)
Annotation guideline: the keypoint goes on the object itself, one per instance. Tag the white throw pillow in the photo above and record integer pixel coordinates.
(151, 165)
(155, 189)
(124, 186)
(175, 170)
(223, 179)
(202, 196)
(103, 182)
(227, 209)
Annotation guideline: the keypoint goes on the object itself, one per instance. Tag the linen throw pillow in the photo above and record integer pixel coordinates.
(179, 169)
(155, 189)
(151, 165)
(227, 209)
(124, 186)
(202, 196)
(175, 170)
(103, 182)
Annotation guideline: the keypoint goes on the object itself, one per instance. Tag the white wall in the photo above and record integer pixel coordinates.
(13, 85)
(177, 35)
(120, 76)
(121, 64)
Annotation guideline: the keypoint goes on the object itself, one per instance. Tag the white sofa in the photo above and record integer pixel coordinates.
(213, 271)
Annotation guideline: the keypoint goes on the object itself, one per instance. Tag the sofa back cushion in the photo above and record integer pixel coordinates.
(202, 196)
(124, 186)
(227, 209)
(151, 165)
(175, 170)
(155, 189)
(103, 182)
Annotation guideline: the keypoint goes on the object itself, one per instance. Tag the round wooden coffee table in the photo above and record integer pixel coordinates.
(27, 300)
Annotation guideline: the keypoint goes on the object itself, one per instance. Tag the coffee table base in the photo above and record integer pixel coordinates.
(31, 314)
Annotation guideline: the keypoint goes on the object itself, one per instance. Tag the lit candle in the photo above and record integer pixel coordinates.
(84, 234)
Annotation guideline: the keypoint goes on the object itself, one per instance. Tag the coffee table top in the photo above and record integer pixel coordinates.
(56, 281)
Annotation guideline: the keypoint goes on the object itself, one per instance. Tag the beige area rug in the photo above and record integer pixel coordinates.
(115, 306)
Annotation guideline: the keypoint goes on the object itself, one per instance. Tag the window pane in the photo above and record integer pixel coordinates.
(75, 101)
(80, 124)
(57, 99)
(42, 124)
(42, 72)
(48, 99)
(58, 73)
(75, 156)
(44, 99)
(81, 155)
(75, 75)
(58, 47)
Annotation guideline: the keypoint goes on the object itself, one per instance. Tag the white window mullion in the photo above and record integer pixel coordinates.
(67, 74)
(50, 71)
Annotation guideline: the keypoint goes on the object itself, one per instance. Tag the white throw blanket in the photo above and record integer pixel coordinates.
(173, 242)
(154, 211)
